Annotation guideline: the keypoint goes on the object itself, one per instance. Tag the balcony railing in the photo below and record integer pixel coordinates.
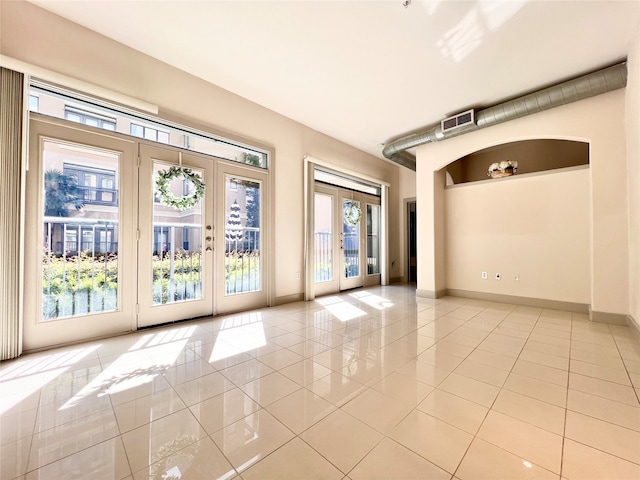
(242, 260)
(323, 257)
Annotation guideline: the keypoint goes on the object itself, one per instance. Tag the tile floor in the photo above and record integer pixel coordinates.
(369, 384)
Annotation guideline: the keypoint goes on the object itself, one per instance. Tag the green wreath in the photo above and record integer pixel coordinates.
(352, 213)
(168, 198)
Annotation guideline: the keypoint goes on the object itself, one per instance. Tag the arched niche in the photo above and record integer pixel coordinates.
(532, 156)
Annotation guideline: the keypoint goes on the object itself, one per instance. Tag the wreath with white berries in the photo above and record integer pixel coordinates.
(168, 198)
(352, 213)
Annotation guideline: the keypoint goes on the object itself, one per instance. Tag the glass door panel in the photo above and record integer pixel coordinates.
(77, 283)
(323, 238)
(325, 244)
(175, 273)
(373, 245)
(351, 275)
(240, 238)
(177, 244)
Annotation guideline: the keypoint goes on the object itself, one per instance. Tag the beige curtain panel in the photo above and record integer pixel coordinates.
(11, 164)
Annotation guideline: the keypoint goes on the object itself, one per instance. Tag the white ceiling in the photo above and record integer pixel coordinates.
(367, 71)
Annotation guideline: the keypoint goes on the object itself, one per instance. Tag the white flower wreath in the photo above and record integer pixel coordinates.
(352, 213)
(168, 198)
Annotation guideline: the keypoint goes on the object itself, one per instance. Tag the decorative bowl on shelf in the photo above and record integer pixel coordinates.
(505, 168)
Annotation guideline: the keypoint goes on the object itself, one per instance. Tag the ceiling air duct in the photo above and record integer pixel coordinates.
(586, 86)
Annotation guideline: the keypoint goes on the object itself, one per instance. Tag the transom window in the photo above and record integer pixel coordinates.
(89, 118)
(149, 133)
(48, 99)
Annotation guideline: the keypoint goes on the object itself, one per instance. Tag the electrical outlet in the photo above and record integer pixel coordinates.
(485, 275)
(298, 275)
(498, 276)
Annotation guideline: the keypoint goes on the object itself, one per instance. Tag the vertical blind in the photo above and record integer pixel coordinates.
(11, 182)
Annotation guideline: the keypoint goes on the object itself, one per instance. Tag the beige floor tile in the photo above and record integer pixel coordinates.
(378, 410)
(390, 460)
(305, 372)
(308, 348)
(287, 340)
(465, 340)
(489, 372)
(613, 412)
(457, 411)
(484, 373)
(145, 410)
(631, 366)
(345, 451)
(486, 461)
(18, 455)
(254, 437)
(58, 442)
(294, 460)
(246, 372)
(188, 371)
(198, 460)
(106, 460)
(558, 351)
(496, 360)
(532, 387)
(266, 390)
(512, 330)
(280, 359)
(14, 426)
(403, 388)
(613, 361)
(560, 363)
(551, 332)
(337, 389)
(471, 389)
(433, 439)
(541, 372)
(581, 462)
(300, 410)
(203, 388)
(224, 409)
(602, 388)
(619, 441)
(523, 439)
(151, 443)
(609, 350)
(451, 348)
(609, 374)
(370, 372)
(551, 340)
(541, 414)
(501, 347)
(441, 360)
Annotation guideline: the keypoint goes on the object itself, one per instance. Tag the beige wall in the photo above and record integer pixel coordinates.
(40, 38)
(599, 121)
(633, 174)
(535, 226)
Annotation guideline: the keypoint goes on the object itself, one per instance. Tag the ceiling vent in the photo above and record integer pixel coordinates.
(457, 121)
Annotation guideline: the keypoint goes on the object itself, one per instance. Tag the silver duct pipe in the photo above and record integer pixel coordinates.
(590, 85)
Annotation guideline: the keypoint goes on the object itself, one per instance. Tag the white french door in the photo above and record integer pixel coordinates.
(240, 238)
(175, 245)
(79, 242)
(110, 250)
(347, 236)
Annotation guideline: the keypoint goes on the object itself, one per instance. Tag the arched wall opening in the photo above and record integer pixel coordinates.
(566, 229)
